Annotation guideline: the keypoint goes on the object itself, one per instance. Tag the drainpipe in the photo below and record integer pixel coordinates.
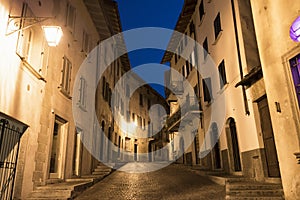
(247, 112)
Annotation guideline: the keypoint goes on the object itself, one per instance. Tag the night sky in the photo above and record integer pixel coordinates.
(148, 13)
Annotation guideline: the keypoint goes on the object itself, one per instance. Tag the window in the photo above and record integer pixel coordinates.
(201, 10)
(222, 74)
(122, 107)
(205, 48)
(28, 44)
(127, 144)
(70, 17)
(82, 100)
(141, 100)
(195, 56)
(127, 91)
(144, 124)
(109, 95)
(191, 63)
(295, 69)
(85, 42)
(149, 104)
(183, 71)
(103, 87)
(207, 90)
(185, 39)
(175, 58)
(66, 76)
(128, 116)
(187, 67)
(192, 28)
(133, 117)
(217, 26)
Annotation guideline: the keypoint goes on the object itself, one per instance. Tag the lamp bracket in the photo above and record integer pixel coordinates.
(19, 22)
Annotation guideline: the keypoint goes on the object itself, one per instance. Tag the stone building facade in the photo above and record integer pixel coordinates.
(43, 143)
(234, 42)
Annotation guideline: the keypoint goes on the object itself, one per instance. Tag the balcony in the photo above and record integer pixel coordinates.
(189, 110)
(175, 87)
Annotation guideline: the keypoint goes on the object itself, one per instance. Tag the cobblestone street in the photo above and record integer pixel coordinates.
(172, 182)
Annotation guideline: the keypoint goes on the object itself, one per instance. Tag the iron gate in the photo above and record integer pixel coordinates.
(10, 135)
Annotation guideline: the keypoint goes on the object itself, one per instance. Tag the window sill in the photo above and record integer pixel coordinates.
(208, 104)
(206, 58)
(82, 107)
(218, 37)
(65, 93)
(223, 88)
(31, 69)
(202, 19)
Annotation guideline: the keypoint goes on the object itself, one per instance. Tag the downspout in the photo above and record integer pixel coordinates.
(247, 112)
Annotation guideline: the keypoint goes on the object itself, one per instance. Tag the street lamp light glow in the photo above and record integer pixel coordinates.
(53, 35)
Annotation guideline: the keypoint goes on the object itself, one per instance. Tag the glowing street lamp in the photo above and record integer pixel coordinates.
(53, 35)
(295, 30)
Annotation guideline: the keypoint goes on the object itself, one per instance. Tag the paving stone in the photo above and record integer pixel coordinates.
(172, 182)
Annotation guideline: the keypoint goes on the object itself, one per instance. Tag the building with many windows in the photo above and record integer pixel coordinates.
(40, 142)
(235, 42)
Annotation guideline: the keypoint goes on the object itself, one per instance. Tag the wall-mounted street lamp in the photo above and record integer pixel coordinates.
(295, 30)
(53, 35)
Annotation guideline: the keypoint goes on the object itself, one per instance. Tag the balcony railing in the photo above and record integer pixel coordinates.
(176, 87)
(191, 105)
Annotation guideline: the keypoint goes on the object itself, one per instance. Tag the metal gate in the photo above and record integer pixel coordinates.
(10, 135)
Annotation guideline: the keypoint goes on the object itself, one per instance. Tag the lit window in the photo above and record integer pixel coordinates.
(295, 69)
(222, 74)
(66, 76)
(217, 26)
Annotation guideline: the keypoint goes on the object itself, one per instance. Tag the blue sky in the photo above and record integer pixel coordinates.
(148, 13)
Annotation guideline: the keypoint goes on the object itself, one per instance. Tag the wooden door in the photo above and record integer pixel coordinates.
(268, 138)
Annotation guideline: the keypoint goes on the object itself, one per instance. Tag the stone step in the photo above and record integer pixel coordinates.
(255, 193)
(68, 185)
(51, 194)
(253, 187)
(253, 198)
(102, 169)
(60, 191)
(100, 173)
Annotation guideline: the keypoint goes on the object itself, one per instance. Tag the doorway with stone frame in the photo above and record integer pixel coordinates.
(77, 153)
(58, 148)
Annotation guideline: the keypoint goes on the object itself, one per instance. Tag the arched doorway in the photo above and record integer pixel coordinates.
(233, 145)
(102, 140)
(181, 147)
(150, 151)
(109, 141)
(216, 152)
